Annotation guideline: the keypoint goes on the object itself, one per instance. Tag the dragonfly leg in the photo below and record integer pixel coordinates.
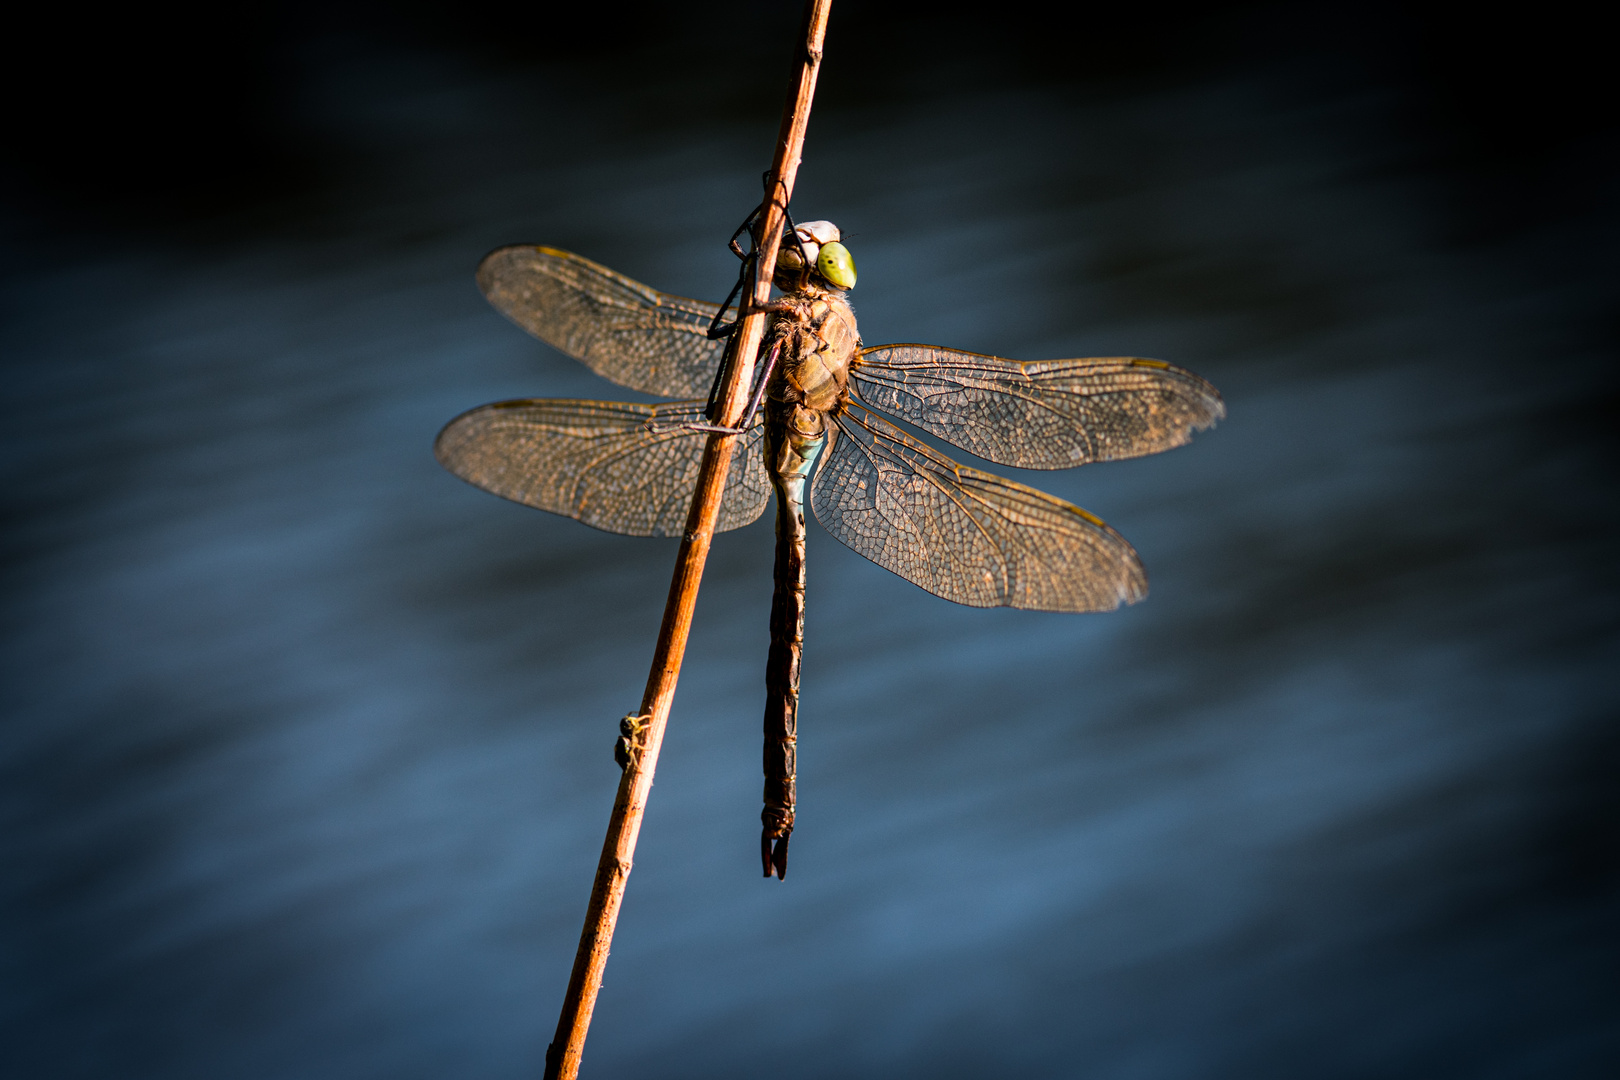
(753, 404)
(746, 227)
(789, 228)
(718, 329)
(798, 241)
(759, 387)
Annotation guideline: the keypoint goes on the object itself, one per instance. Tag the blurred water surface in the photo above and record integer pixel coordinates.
(307, 746)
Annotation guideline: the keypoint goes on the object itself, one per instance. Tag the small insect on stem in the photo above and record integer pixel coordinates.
(632, 738)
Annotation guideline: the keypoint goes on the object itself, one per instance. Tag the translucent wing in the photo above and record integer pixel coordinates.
(600, 463)
(1048, 414)
(620, 329)
(964, 534)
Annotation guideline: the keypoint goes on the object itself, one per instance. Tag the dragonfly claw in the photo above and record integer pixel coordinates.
(774, 859)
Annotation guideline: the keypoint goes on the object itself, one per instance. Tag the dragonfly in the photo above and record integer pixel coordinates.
(814, 420)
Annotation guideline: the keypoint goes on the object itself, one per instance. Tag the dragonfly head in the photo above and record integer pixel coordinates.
(818, 254)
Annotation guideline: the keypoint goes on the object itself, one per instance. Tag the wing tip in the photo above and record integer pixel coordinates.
(1136, 589)
(496, 256)
(448, 441)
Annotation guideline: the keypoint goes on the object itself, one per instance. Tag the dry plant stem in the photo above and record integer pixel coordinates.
(613, 870)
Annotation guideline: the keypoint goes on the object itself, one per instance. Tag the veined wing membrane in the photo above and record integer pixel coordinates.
(1047, 414)
(619, 328)
(598, 462)
(963, 534)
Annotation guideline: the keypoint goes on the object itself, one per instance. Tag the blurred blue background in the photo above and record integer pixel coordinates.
(307, 746)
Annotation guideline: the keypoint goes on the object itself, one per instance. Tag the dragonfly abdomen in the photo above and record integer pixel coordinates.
(789, 456)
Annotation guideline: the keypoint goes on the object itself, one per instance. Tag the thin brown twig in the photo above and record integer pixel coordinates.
(613, 869)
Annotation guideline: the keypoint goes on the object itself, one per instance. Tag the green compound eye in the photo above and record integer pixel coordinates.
(837, 265)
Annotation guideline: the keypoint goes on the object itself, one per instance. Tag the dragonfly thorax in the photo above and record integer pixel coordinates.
(814, 329)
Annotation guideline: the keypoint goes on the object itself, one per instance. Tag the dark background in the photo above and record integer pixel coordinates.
(306, 746)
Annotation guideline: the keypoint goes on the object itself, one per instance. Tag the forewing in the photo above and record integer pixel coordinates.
(1048, 414)
(963, 534)
(619, 328)
(623, 468)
